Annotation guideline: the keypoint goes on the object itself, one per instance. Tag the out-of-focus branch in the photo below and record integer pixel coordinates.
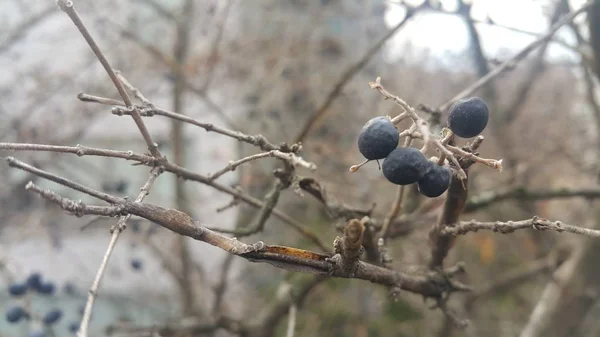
(486, 199)
(267, 320)
(20, 30)
(536, 223)
(511, 279)
(333, 207)
(317, 116)
(551, 296)
(158, 8)
(172, 65)
(516, 58)
(214, 50)
(594, 28)
(266, 210)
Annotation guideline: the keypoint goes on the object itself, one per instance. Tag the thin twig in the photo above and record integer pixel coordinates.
(291, 321)
(12, 162)
(177, 170)
(80, 151)
(257, 140)
(511, 226)
(295, 161)
(116, 231)
(68, 7)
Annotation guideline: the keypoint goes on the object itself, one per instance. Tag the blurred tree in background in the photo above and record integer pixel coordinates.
(296, 73)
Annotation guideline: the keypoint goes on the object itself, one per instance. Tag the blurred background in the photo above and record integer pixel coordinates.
(298, 70)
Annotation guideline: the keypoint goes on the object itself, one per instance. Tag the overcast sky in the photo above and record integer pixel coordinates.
(426, 32)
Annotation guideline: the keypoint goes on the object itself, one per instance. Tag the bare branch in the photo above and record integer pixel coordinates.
(282, 257)
(346, 76)
(521, 193)
(68, 7)
(266, 210)
(257, 140)
(511, 226)
(518, 57)
(12, 162)
(116, 231)
(175, 169)
(19, 31)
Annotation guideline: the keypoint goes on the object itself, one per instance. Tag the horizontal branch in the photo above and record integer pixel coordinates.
(256, 140)
(426, 284)
(520, 193)
(511, 226)
(289, 157)
(169, 167)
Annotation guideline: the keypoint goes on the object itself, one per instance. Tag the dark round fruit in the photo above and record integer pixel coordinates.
(136, 264)
(405, 165)
(34, 281)
(15, 314)
(17, 289)
(73, 327)
(468, 117)
(70, 289)
(46, 288)
(52, 317)
(378, 138)
(435, 182)
(121, 186)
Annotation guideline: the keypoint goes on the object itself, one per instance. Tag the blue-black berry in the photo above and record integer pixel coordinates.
(405, 165)
(52, 316)
(17, 289)
(136, 264)
(70, 289)
(435, 182)
(468, 117)
(73, 327)
(15, 314)
(378, 138)
(34, 281)
(47, 288)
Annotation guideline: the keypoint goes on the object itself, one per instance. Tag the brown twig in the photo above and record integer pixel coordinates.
(536, 223)
(282, 257)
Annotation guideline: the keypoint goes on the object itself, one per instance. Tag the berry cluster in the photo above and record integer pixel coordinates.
(20, 310)
(379, 139)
